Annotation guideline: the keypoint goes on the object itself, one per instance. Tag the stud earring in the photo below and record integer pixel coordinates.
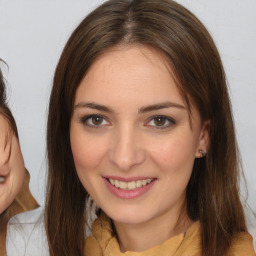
(202, 152)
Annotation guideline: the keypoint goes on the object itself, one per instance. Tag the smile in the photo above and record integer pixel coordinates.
(129, 188)
(131, 185)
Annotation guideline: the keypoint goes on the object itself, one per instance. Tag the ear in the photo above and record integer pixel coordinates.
(203, 141)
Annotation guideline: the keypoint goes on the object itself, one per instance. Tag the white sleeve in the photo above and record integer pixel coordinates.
(26, 235)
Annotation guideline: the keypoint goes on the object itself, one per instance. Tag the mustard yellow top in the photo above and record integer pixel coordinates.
(102, 242)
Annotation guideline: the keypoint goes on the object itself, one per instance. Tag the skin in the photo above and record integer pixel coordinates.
(128, 142)
(11, 165)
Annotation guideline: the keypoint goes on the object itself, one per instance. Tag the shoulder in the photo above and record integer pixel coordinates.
(26, 234)
(99, 239)
(29, 217)
(242, 245)
(92, 245)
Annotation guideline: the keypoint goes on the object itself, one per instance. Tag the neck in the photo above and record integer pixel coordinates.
(146, 235)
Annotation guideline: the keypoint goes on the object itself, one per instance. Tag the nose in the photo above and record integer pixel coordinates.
(126, 150)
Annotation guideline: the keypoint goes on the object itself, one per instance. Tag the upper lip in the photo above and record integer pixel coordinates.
(128, 179)
(5, 170)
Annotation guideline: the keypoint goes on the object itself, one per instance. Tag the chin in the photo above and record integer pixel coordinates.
(5, 204)
(128, 216)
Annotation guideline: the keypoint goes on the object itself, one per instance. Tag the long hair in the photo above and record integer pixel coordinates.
(4, 109)
(213, 190)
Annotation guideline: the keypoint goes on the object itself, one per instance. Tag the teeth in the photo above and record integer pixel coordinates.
(144, 182)
(138, 183)
(122, 185)
(2, 179)
(131, 185)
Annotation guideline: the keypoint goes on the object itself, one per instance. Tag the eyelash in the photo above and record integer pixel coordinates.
(85, 120)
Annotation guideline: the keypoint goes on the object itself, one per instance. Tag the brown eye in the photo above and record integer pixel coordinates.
(97, 120)
(159, 121)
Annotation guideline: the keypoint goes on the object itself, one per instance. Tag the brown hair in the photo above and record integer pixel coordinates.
(212, 192)
(12, 130)
(4, 109)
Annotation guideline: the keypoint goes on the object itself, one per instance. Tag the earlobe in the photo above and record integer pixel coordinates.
(202, 152)
(203, 142)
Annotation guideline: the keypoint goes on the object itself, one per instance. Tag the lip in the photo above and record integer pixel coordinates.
(128, 194)
(5, 170)
(4, 176)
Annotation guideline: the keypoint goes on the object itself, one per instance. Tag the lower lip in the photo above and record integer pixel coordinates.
(128, 194)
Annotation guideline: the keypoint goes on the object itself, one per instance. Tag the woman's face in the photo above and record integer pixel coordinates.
(12, 169)
(132, 140)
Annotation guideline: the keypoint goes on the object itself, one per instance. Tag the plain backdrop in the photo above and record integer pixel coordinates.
(34, 32)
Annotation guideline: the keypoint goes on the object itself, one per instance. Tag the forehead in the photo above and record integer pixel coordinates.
(130, 70)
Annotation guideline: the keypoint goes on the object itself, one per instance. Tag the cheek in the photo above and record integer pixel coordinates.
(87, 151)
(17, 166)
(174, 160)
(15, 178)
(175, 154)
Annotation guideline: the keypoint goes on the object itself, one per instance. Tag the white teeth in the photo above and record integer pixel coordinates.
(138, 183)
(122, 185)
(131, 185)
(144, 182)
(2, 179)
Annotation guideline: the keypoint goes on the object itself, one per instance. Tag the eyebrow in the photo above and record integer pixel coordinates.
(93, 106)
(160, 106)
(145, 109)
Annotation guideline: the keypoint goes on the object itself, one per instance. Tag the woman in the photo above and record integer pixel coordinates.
(140, 122)
(15, 196)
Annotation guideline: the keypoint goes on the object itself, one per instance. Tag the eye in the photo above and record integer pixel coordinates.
(95, 121)
(160, 122)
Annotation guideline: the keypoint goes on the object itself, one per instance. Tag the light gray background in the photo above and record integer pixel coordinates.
(33, 33)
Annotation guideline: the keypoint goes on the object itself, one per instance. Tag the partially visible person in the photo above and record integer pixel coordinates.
(15, 196)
